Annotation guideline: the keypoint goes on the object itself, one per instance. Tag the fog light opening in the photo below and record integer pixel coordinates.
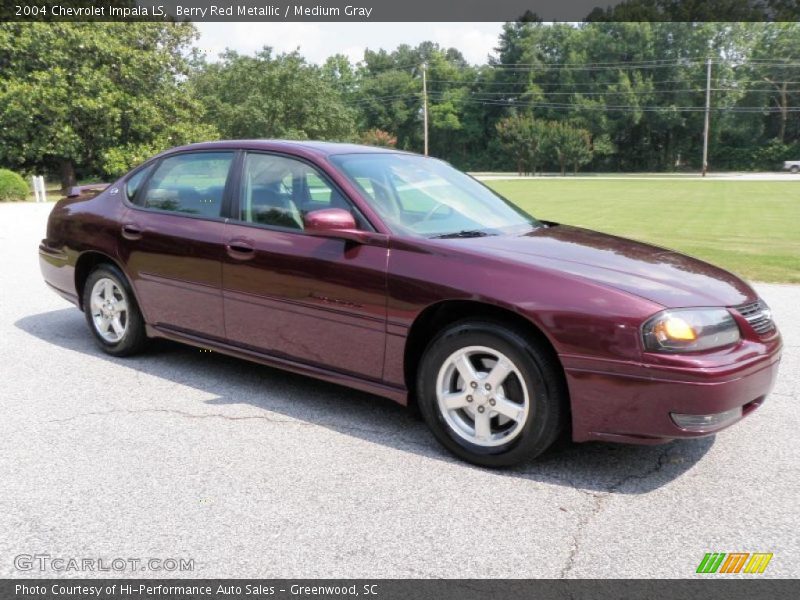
(705, 423)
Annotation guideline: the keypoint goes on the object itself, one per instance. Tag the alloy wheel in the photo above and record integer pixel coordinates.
(482, 396)
(109, 308)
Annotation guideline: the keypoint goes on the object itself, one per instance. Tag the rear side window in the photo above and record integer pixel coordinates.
(189, 183)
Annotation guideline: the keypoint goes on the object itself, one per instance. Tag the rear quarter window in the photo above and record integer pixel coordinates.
(135, 182)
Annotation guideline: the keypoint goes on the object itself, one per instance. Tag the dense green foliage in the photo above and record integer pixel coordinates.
(12, 187)
(266, 96)
(604, 96)
(94, 98)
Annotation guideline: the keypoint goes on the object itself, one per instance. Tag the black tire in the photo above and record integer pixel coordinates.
(547, 394)
(134, 337)
(795, 169)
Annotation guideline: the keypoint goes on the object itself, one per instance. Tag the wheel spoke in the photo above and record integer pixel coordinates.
(455, 400)
(116, 325)
(499, 373)
(483, 429)
(121, 306)
(108, 289)
(508, 409)
(464, 366)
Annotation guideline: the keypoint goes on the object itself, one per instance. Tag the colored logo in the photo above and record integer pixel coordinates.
(734, 562)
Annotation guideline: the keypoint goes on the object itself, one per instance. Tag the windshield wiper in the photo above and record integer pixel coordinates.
(465, 233)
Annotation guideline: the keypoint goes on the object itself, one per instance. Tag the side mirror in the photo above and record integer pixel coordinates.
(339, 224)
(328, 220)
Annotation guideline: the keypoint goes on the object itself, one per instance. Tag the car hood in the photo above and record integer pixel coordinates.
(663, 276)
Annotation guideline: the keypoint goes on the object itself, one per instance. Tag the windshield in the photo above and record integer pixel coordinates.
(426, 197)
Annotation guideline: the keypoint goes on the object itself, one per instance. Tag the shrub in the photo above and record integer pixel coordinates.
(12, 187)
(378, 137)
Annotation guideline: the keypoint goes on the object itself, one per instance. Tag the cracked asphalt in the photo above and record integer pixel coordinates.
(253, 472)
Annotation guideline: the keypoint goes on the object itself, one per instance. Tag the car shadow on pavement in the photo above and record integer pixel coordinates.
(592, 467)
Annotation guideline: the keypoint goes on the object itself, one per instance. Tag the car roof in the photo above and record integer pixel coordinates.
(303, 147)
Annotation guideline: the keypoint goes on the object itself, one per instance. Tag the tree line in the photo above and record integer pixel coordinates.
(91, 100)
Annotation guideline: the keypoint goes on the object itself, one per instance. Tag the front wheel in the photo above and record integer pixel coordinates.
(112, 313)
(795, 169)
(490, 395)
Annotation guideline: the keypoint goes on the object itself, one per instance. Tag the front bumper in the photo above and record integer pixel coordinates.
(637, 403)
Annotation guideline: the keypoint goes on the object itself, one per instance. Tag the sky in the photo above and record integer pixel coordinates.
(317, 41)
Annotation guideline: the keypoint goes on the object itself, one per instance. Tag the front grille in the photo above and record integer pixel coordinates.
(758, 315)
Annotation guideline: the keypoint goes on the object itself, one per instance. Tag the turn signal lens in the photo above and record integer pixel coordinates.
(690, 330)
(675, 328)
(707, 423)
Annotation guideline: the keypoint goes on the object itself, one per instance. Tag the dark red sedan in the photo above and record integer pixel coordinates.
(396, 274)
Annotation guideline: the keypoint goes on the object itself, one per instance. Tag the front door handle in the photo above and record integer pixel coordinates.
(240, 250)
(131, 232)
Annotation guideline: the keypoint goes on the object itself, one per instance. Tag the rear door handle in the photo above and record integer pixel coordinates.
(240, 250)
(131, 232)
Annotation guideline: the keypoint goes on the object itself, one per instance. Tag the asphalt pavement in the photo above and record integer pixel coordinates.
(252, 472)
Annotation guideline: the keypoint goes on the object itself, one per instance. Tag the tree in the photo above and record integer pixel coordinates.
(94, 97)
(571, 145)
(390, 98)
(523, 138)
(777, 46)
(275, 96)
(578, 148)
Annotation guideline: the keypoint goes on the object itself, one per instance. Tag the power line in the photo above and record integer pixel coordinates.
(583, 83)
(623, 108)
(603, 93)
(615, 93)
(544, 67)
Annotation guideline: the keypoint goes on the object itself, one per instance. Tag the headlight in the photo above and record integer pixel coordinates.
(690, 330)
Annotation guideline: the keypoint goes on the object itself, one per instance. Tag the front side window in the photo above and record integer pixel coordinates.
(426, 197)
(189, 183)
(278, 191)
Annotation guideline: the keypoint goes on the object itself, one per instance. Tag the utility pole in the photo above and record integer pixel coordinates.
(425, 103)
(708, 117)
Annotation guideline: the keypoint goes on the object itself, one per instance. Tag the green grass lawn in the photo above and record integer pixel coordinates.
(749, 227)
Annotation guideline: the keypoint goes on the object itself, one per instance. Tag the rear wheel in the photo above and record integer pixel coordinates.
(112, 313)
(491, 396)
(795, 169)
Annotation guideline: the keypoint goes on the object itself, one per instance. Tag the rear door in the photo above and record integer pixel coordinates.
(310, 299)
(172, 241)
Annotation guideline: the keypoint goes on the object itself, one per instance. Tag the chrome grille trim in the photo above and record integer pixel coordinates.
(758, 315)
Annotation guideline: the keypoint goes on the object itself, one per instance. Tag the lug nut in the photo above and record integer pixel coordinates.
(487, 386)
(481, 409)
(474, 384)
(469, 398)
(492, 401)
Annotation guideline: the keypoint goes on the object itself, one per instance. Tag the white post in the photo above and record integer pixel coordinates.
(39, 193)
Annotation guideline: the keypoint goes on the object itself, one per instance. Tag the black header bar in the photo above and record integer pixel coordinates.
(401, 10)
(395, 589)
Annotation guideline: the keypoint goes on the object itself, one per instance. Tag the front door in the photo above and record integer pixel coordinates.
(172, 243)
(288, 294)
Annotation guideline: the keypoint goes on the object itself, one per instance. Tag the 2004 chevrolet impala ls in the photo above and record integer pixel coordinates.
(396, 274)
